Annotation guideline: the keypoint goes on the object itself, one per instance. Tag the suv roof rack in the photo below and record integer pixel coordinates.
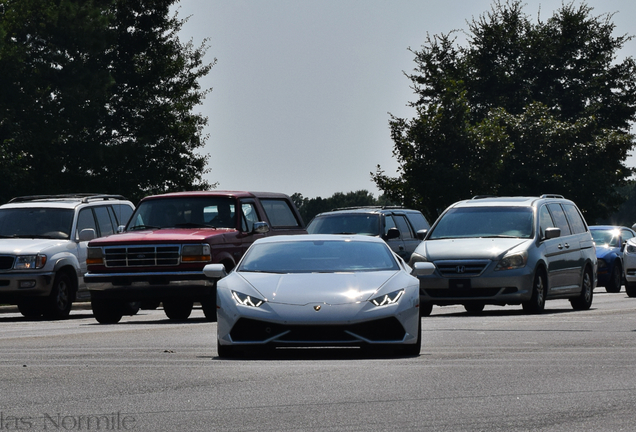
(552, 196)
(388, 207)
(84, 197)
(483, 196)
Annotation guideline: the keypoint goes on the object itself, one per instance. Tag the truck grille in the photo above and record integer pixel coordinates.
(461, 268)
(6, 262)
(142, 256)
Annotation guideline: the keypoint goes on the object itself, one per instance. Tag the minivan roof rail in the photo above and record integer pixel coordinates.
(552, 196)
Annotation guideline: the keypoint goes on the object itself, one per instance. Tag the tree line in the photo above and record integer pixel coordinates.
(99, 96)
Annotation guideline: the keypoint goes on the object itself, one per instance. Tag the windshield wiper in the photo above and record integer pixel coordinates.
(142, 227)
(193, 225)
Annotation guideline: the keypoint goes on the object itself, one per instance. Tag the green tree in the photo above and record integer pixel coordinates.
(98, 96)
(525, 108)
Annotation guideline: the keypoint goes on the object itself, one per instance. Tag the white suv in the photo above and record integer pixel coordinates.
(43, 243)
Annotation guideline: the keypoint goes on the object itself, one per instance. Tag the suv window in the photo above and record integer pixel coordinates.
(559, 218)
(103, 220)
(279, 213)
(403, 226)
(36, 222)
(418, 221)
(123, 212)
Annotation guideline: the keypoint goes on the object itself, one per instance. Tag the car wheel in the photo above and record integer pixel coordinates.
(130, 308)
(414, 350)
(178, 310)
(474, 308)
(536, 304)
(58, 304)
(209, 308)
(630, 289)
(615, 280)
(31, 308)
(224, 351)
(426, 309)
(107, 311)
(584, 300)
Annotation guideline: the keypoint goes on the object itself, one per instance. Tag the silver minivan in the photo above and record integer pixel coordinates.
(508, 251)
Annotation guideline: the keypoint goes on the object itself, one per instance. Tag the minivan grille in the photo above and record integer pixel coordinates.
(142, 256)
(461, 268)
(6, 262)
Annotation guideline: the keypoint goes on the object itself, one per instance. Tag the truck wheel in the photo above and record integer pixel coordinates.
(31, 308)
(178, 309)
(58, 304)
(130, 308)
(209, 308)
(107, 311)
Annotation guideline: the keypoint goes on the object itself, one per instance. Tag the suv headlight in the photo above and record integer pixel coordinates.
(387, 299)
(29, 262)
(513, 261)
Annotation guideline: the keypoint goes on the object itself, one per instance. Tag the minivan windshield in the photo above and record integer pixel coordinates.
(476, 222)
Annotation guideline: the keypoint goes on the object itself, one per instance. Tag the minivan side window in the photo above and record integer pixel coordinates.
(559, 218)
(576, 220)
(545, 221)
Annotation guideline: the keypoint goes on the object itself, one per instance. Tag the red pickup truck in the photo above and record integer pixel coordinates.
(160, 255)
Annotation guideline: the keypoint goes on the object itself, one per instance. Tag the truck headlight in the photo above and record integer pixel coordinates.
(196, 253)
(94, 256)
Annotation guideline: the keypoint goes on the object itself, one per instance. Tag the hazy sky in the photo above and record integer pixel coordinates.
(302, 90)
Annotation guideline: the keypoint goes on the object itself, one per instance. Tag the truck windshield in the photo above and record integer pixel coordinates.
(36, 222)
(474, 222)
(184, 212)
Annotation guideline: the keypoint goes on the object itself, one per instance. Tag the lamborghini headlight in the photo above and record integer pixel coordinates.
(387, 299)
(246, 300)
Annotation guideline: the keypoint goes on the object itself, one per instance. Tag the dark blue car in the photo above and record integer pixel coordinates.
(610, 241)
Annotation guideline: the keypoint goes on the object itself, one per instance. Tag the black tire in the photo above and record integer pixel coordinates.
(209, 308)
(414, 350)
(425, 309)
(107, 311)
(474, 308)
(584, 299)
(31, 308)
(178, 310)
(130, 308)
(630, 289)
(615, 280)
(536, 304)
(58, 304)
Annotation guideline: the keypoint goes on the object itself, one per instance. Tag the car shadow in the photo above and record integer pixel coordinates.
(313, 353)
(503, 312)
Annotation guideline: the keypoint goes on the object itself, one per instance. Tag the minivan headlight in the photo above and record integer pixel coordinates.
(513, 261)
